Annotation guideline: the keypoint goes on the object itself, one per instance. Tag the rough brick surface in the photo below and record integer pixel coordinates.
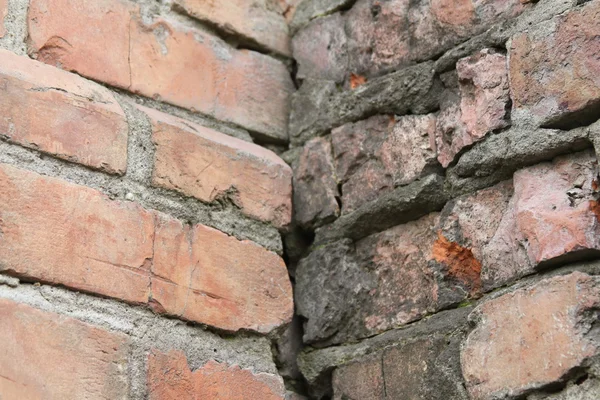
(48, 356)
(61, 233)
(541, 329)
(170, 377)
(238, 86)
(555, 70)
(483, 106)
(44, 108)
(360, 380)
(254, 21)
(375, 155)
(204, 275)
(315, 185)
(211, 166)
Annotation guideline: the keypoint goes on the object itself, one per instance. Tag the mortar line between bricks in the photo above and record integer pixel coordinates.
(187, 209)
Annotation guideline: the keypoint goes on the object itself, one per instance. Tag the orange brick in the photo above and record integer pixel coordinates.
(253, 20)
(44, 108)
(57, 232)
(165, 60)
(208, 165)
(51, 357)
(170, 377)
(3, 13)
(203, 275)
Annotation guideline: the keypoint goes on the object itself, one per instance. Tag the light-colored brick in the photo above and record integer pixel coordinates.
(164, 60)
(208, 165)
(62, 114)
(203, 275)
(252, 20)
(531, 337)
(57, 232)
(52, 357)
(3, 13)
(170, 377)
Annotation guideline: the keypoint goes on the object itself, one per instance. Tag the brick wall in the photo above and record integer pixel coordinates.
(446, 230)
(289, 199)
(141, 208)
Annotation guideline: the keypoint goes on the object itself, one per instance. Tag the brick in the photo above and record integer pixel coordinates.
(315, 186)
(376, 155)
(422, 30)
(212, 166)
(61, 233)
(3, 14)
(542, 329)
(254, 21)
(484, 104)
(237, 86)
(48, 356)
(170, 377)
(555, 71)
(321, 49)
(44, 108)
(203, 275)
(359, 380)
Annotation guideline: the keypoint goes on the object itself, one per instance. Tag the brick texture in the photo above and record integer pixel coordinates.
(44, 108)
(238, 86)
(541, 329)
(48, 356)
(554, 68)
(211, 166)
(61, 233)
(255, 21)
(170, 377)
(3, 13)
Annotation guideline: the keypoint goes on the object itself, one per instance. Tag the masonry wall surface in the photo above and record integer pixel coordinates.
(287, 199)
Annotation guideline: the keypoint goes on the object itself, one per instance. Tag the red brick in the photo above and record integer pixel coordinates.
(44, 108)
(484, 93)
(57, 232)
(375, 155)
(3, 14)
(359, 380)
(555, 69)
(170, 377)
(208, 165)
(203, 275)
(52, 357)
(315, 186)
(255, 21)
(531, 337)
(238, 86)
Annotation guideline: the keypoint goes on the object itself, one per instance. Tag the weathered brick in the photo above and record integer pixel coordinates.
(320, 49)
(238, 86)
(57, 232)
(203, 275)
(44, 108)
(254, 21)
(315, 186)
(541, 329)
(555, 69)
(483, 108)
(376, 155)
(420, 30)
(48, 356)
(360, 380)
(3, 14)
(170, 377)
(211, 166)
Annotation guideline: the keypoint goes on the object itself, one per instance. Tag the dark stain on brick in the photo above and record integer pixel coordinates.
(460, 263)
(595, 208)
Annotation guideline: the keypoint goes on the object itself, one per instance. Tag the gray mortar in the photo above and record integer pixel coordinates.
(15, 24)
(147, 331)
(224, 217)
(308, 10)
